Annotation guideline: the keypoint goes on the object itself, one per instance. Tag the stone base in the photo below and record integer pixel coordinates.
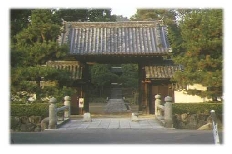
(134, 117)
(87, 117)
(207, 126)
(44, 123)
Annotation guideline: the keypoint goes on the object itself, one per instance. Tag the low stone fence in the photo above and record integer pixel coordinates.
(195, 121)
(52, 120)
(164, 112)
(57, 116)
(26, 124)
(169, 119)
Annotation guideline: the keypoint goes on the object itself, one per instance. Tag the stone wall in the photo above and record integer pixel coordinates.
(194, 121)
(26, 124)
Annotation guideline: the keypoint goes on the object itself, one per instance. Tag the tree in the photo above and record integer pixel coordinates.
(73, 14)
(101, 76)
(197, 46)
(19, 19)
(33, 46)
(120, 18)
(100, 15)
(34, 36)
(37, 42)
(86, 15)
(167, 16)
(129, 77)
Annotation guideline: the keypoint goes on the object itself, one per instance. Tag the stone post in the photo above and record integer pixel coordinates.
(168, 111)
(215, 130)
(67, 103)
(157, 102)
(52, 114)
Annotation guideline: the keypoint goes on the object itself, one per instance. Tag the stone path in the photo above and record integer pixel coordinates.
(115, 105)
(113, 123)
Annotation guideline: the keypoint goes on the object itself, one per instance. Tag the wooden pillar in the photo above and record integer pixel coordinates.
(145, 100)
(151, 100)
(85, 87)
(140, 86)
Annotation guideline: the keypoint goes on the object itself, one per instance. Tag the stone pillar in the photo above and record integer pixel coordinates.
(157, 102)
(52, 114)
(168, 111)
(67, 103)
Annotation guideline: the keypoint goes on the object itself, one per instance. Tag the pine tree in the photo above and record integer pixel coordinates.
(34, 45)
(197, 46)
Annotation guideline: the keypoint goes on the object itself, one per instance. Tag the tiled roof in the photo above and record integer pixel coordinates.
(73, 66)
(115, 38)
(164, 70)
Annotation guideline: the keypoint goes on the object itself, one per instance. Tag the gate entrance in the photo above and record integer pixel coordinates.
(143, 43)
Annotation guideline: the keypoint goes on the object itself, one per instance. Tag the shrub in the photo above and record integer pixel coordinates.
(37, 109)
(194, 108)
(34, 109)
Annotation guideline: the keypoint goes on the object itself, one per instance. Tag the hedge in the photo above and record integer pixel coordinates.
(194, 108)
(35, 109)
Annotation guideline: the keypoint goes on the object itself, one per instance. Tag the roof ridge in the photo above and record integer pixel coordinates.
(114, 24)
(114, 21)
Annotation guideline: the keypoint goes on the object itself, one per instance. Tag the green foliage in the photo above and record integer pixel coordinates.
(166, 15)
(36, 44)
(197, 46)
(36, 53)
(41, 29)
(34, 109)
(129, 77)
(19, 19)
(92, 15)
(101, 75)
(21, 76)
(34, 34)
(100, 15)
(58, 93)
(37, 109)
(194, 108)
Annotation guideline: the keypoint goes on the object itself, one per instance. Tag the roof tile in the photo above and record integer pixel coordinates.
(98, 38)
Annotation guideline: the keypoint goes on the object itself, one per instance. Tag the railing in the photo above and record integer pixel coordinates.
(53, 110)
(164, 112)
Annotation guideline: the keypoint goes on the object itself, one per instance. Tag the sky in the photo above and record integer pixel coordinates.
(126, 12)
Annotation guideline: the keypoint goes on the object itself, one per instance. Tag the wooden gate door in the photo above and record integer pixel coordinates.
(163, 90)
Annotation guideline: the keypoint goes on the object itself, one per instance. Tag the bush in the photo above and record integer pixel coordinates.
(36, 109)
(194, 108)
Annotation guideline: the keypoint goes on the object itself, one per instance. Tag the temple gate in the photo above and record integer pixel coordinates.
(141, 42)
